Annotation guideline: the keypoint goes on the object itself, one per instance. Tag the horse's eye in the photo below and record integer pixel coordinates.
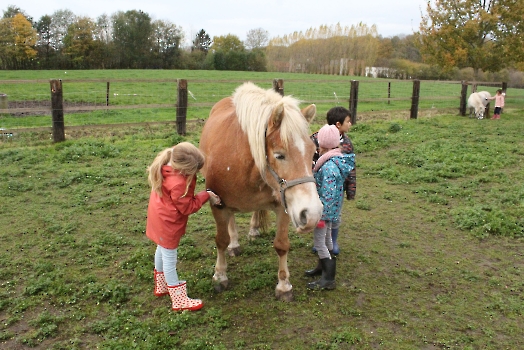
(280, 156)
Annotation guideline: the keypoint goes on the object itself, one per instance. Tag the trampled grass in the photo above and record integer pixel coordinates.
(431, 249)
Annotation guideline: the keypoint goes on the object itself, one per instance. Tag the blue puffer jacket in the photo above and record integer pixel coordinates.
(330, 184)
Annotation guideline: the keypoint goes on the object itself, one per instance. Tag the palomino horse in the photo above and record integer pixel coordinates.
(258, 158)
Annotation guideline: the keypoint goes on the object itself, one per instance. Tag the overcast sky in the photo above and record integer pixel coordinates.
(222, 17)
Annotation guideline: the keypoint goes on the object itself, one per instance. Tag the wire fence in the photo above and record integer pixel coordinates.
(26, 104)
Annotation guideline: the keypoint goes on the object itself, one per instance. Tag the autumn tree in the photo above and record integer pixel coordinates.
(331, 49)
(227, 43)
(80, 43)
(17, 42)
(486, 35)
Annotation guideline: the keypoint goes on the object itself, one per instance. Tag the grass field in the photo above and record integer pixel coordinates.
(432, 248)
(154, 94)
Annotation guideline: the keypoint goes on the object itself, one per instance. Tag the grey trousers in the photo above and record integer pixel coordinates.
(322, 240)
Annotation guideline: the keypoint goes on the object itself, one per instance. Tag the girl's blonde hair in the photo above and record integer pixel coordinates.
(184, 157)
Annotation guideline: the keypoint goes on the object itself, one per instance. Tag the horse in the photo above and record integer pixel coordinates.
(258, 158)
(478, 101)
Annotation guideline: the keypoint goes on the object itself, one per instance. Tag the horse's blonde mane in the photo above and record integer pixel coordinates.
(254, 107)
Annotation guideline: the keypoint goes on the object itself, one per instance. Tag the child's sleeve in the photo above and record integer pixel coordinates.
(188, 204)
(350, 183)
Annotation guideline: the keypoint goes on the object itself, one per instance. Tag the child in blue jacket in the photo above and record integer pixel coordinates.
(341, 118)
(330, 172)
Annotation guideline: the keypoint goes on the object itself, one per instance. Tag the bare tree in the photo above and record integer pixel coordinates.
(256, 38)
(60, 21)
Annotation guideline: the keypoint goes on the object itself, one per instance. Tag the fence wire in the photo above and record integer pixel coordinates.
(25, 103)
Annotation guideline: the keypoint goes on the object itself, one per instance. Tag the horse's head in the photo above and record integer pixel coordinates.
(289, 152)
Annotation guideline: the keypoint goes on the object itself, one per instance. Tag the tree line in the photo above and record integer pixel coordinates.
(124, 40)
(457, 39)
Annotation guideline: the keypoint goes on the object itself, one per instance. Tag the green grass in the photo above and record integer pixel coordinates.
(154, 92)
(431, 248)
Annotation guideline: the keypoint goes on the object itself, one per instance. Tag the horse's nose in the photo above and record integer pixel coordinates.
(303, 218)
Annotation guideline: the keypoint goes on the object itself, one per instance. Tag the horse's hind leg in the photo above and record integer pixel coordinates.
(254, 226)
(259, 222)
(233, 248)
(222, 218)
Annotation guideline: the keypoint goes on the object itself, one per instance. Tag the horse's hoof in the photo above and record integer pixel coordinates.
(284, 296)
(253, 234)
(233, 251)
(220, 287)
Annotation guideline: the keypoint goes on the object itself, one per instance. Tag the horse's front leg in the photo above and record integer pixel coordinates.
(281, 244)
(222, 218)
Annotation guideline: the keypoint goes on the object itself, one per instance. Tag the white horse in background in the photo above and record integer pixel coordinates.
(478, 101)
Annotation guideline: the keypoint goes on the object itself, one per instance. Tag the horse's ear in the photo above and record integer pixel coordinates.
(276, 117)
(309, 112)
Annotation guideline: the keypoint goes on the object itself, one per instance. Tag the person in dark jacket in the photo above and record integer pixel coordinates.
(341, 118)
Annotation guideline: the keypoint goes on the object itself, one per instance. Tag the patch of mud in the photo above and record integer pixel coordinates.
(31, 108)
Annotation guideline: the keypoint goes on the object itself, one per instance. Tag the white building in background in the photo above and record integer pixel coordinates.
(379, 72)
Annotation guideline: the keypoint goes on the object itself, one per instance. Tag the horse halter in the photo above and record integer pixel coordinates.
(284, 184)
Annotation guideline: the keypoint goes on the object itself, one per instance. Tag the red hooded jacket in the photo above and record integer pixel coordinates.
(167, 215)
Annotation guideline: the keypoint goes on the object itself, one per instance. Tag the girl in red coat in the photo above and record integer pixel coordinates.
(172, 177)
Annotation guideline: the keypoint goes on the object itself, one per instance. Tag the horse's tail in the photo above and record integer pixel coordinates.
(260, 219)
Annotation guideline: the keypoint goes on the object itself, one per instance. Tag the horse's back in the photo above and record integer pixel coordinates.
(221, 119)
(485, 97)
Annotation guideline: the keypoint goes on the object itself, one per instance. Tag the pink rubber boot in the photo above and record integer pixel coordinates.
(180, 300)
(160, 284)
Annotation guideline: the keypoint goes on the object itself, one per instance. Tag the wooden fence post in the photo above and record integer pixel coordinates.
(414, 99)
(463, 98)
(278, 86)
(504, 88)
(4, 105)
(181, 106)
(107, 94)
(57, 109)
(353, 101)
(389, 91)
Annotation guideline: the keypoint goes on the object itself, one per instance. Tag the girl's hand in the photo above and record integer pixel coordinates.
(214, 199)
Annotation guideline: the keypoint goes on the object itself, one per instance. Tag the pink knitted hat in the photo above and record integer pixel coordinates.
(328, 137)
